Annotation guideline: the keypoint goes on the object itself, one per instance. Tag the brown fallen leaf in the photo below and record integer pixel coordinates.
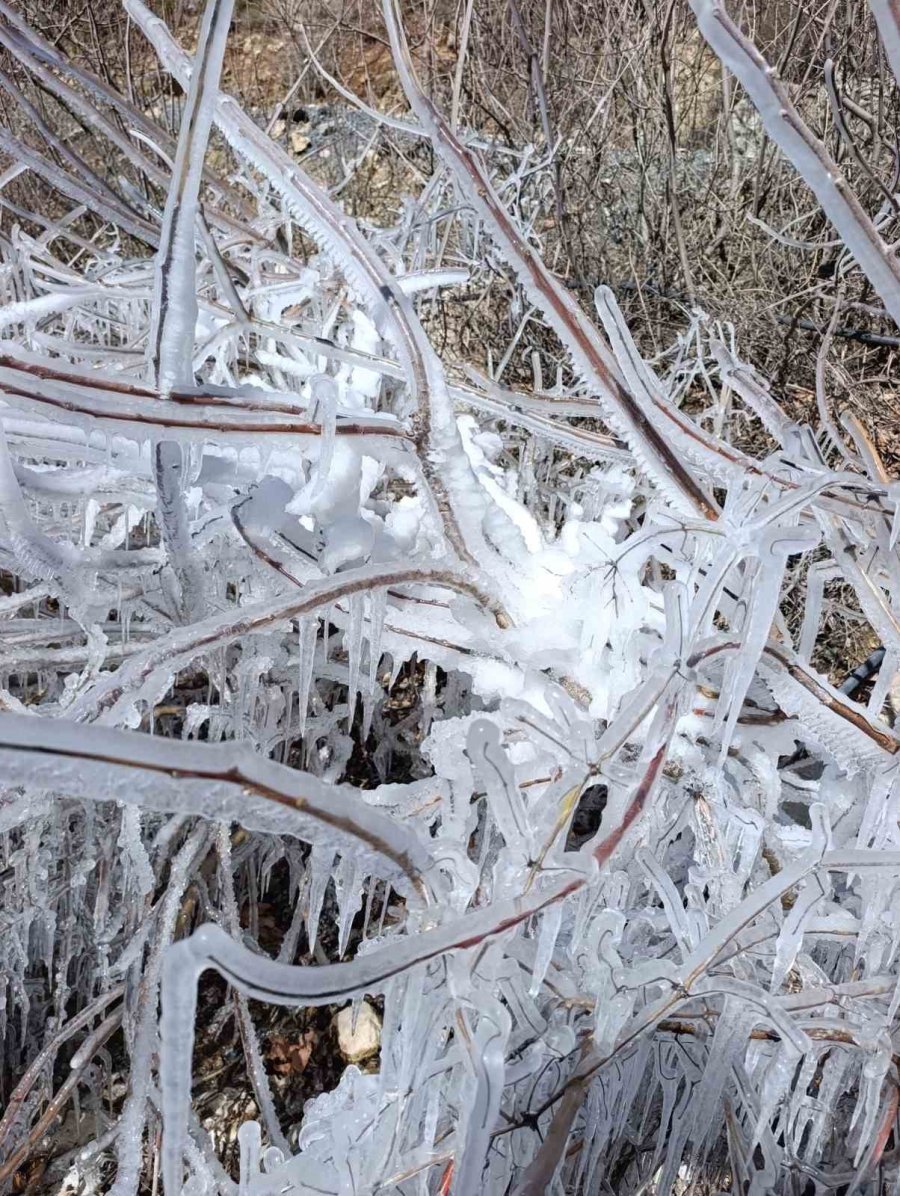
(289, 1056)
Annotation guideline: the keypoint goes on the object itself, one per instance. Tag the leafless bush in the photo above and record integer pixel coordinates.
(410, 589)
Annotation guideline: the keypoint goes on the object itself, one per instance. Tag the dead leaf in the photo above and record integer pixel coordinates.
(290, 1056)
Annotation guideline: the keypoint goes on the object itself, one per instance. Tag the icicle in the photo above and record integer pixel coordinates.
(325, 397)
(779, 1076)
(176, 1030)
(776, 545)
(371, 886)
(377, 609)
(321, 860)
(728, 1042)
(551, 921)
(536, 371)
(377, 613)
(357, 605)
(791, 937)
(308, 633)
(484, 750)
(349, 890)
(884, 683)
(485, 1048)
(868, 1104)
(429, 696)
(250, 1143)
(131, 842)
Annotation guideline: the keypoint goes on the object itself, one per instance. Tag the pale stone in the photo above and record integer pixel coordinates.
(362, 1041)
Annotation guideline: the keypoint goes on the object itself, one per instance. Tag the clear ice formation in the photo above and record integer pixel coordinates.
(626, 869)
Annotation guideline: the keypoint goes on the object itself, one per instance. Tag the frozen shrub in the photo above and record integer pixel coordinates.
(625, 876)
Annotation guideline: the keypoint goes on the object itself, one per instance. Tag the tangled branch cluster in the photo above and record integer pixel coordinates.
(627, 875)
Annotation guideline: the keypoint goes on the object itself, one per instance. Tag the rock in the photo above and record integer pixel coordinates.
(362, 1041)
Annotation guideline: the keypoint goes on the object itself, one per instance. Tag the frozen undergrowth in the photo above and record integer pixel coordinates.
(238, 494)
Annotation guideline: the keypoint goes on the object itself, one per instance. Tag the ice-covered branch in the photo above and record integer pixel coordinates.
(516, 725)
(445, 465)
(591, 357)
(807, 153)
(227, 783)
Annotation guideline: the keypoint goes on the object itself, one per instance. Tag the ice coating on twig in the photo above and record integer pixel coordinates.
(807, 153)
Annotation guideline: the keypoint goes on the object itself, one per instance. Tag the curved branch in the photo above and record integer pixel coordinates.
(179, 647)
(591, 356)
(808, 155)
(214, 781)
